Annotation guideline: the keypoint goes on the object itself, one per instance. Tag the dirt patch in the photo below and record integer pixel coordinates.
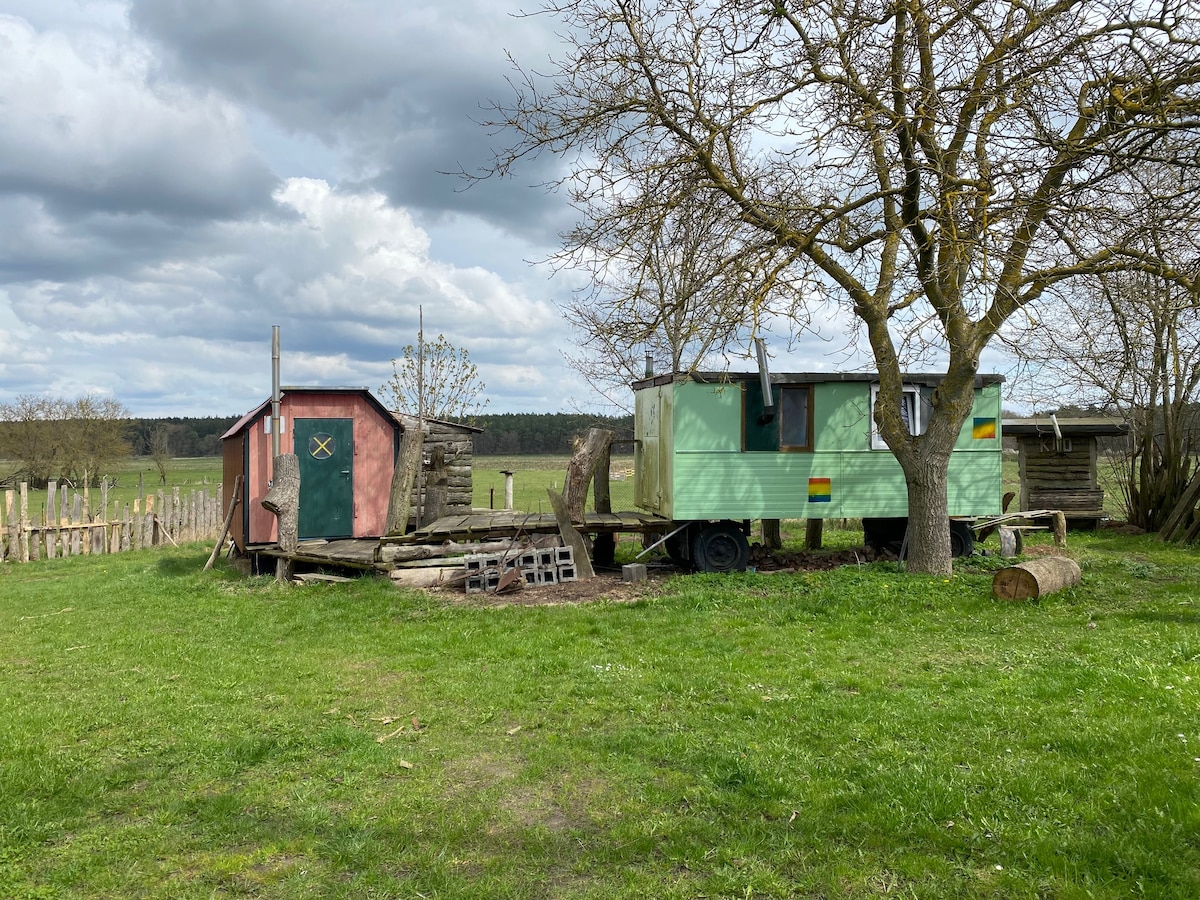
(609, 587)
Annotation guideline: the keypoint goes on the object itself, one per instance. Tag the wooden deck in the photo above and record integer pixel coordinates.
(499, 525)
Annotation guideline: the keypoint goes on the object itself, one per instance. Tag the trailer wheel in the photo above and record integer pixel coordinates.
(962, 539)
(720, 547)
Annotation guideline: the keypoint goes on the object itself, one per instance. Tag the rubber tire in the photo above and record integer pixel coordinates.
(720, 547)
(962, 539)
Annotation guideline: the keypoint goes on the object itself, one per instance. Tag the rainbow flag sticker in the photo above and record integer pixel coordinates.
(984, 429)
(819, 490)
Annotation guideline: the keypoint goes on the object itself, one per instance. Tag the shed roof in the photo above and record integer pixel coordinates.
(1093, 426)
(929, 379)
(253, 415)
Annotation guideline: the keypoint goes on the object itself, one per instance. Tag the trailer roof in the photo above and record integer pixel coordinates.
(928, 379)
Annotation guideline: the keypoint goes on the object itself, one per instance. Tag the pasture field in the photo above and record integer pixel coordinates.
(856, 733)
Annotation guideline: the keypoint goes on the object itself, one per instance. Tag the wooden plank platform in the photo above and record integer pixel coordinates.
(365, 553)
(498, 525)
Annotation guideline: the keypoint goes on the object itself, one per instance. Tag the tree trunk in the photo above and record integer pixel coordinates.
(283, 499)
(580, 469)
(814, 530)
(925, 460)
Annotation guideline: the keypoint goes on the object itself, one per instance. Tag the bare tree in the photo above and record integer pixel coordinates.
(1129, 342)
(674, 284)
(437, 381)
(160, 451)
(53, 438)
(939, 166)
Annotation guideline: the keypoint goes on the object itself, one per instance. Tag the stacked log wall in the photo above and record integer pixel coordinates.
(1054, 480)
(458, 451)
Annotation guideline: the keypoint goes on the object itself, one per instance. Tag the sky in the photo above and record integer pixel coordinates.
(176, 177)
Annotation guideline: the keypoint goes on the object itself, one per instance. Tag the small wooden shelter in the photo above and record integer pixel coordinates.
(1058, 466)
(346, 443)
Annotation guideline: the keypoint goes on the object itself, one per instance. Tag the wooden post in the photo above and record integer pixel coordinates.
(403, 478)
(12, 515)
(23, 525)
(771, 537)
(814, 530)
(604, 547)
(570, 536)
(237, 490)
(508, 489)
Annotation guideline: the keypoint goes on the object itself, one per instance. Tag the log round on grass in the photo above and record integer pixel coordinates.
(1035, 578)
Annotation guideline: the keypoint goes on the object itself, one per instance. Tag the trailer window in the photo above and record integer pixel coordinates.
(795, 418)
(910, 414)
(788, 426)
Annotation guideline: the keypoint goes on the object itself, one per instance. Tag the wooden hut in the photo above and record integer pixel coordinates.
(1058, 468)
(346, 443)
(448, 454)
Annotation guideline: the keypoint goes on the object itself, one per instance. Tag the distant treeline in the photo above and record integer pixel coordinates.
(503, 433)
(185, 436)
(527, 433)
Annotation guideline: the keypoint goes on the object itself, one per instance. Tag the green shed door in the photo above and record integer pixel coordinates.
(326, 451)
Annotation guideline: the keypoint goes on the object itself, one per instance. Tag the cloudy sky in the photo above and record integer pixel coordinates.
(178, 176)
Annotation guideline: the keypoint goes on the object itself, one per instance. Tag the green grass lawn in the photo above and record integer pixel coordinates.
(859, 733)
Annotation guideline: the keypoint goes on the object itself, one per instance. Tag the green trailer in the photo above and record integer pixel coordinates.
(714, 451)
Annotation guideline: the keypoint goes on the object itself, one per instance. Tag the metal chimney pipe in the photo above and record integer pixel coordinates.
(275, 394)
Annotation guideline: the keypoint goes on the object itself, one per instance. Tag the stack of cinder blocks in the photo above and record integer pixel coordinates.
(549, 565)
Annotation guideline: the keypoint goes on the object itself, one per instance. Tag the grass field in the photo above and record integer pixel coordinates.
(850, 734)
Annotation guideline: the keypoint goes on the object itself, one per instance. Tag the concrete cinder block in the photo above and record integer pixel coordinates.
(548, 576)
(633, 572)
(476, 584)
(491, 581)
(474, 562)
(545, 559)
(527, 560)
(564, 556)
(530, 576)
(567, 573)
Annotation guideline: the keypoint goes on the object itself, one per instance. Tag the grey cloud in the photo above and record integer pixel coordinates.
(401, 86)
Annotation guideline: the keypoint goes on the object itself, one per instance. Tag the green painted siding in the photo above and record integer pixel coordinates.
(698, 470)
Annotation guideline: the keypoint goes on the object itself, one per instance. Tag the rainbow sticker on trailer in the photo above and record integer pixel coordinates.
(819, 490)
(984, 429)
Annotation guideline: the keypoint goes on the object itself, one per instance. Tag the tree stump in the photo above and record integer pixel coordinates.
(283, 499)
(580, 469)
(1035, 578)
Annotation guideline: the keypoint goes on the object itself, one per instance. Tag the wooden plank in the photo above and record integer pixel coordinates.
(571, 537)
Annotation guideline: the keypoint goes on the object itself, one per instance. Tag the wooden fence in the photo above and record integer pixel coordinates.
(69, 526)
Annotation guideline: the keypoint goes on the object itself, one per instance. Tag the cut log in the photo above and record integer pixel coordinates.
(403, 478)
(426, 578)
(397, 553)
(1035, 578)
